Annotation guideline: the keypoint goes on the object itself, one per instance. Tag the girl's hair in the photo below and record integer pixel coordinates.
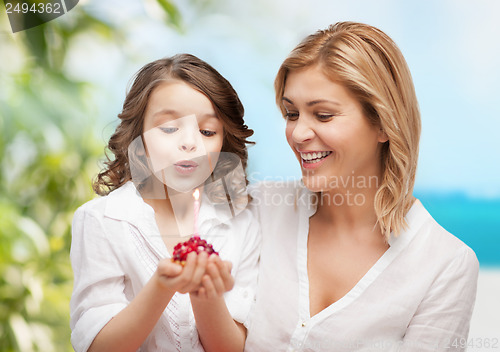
(370, 65)
(200, 76)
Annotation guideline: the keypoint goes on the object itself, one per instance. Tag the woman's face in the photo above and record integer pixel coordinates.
(182, 134)
(328, 132)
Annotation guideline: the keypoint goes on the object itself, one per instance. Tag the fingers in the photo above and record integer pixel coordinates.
(208, 287)
(190, 278)
(199, 270)
(220, 275)
(201, 293)
(225, 271)
(167, 268)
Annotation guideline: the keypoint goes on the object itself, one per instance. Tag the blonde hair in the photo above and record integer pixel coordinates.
(368, 63)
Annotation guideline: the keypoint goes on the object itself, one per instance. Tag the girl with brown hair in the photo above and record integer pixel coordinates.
(181, 128)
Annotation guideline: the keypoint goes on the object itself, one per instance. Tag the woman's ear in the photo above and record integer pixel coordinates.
(382, 136)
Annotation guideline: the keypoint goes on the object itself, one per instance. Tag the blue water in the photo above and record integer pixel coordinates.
(475, 221)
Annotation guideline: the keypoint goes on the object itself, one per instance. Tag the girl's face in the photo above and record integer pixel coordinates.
(328, 132)
(182, 134)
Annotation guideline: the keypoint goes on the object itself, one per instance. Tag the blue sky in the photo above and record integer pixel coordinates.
(452, 49)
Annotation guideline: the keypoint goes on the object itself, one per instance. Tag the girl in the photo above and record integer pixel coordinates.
(354, 261)
(181, 128)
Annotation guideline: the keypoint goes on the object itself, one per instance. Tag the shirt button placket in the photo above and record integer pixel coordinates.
(298, 337)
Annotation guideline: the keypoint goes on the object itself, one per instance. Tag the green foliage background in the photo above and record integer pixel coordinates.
(49, 154)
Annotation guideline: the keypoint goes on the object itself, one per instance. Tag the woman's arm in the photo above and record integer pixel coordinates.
(131, 326)
(441, 322)
(216, 327)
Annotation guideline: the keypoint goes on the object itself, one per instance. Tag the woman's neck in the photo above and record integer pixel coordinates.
(349, 211)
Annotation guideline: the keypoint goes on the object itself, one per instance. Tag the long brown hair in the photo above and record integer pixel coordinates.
(199, 75)
(370, 65)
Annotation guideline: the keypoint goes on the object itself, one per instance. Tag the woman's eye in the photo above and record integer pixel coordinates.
(168, 130)
(207, 133)
(324, 117)
(292, 116)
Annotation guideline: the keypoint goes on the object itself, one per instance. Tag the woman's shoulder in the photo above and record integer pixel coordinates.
(443, 246)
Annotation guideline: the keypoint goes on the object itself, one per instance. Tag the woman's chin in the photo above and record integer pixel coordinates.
(315, 183)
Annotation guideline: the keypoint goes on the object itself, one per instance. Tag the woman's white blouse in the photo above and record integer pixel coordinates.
(418, 296)
(115, 249)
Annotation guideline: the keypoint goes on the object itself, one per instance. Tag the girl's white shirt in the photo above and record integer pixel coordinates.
(418, 296)
(115, 249)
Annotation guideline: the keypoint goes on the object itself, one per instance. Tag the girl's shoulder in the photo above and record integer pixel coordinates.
(117, 204)
(94, 207)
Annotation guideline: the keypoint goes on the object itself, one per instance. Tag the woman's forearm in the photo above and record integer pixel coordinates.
(129, 328)
(217, 329)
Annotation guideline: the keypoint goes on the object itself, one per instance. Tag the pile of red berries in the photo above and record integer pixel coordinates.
(194, 244)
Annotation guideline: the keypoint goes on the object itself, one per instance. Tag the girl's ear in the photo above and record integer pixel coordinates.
(382, 136)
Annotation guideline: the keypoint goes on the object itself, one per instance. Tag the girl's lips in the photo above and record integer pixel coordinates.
(185, 167)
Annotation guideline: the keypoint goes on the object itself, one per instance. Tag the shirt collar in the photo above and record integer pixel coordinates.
(125, 203)
(308, 202)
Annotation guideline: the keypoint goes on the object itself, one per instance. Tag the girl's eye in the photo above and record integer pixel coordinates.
(207, 133)
(292, 116)
(168, 130)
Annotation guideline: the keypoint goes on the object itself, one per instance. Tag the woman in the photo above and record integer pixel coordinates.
(350, 259)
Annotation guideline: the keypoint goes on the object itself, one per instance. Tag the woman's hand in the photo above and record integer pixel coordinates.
(217, 279)
(173, 276)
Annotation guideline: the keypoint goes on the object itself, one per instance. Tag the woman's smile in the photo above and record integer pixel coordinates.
(313, 159)
(327, 129)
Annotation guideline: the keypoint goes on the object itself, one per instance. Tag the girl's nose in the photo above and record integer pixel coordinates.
(188, 142)
(188, 147)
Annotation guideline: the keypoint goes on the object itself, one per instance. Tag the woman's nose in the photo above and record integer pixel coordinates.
(302, 131)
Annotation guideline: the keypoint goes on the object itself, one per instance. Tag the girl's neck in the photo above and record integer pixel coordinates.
(174, 210)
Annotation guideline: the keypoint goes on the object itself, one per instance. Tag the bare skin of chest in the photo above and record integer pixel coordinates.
(169, 231)
(335, 264)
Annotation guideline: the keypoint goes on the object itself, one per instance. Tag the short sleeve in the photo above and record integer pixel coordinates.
(441, 322)
(241, 298)
(98, 292)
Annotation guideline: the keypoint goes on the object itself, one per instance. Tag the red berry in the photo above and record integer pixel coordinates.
(194, 244)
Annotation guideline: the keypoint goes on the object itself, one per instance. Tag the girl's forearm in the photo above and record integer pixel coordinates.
(129, 328)
(217, 329)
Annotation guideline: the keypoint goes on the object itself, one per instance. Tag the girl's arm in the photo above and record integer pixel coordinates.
(216, 327)
(131, 326)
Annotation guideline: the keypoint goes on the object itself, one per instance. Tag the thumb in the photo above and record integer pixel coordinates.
(167, 268)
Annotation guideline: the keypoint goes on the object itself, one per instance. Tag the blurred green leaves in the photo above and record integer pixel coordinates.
(49, 154)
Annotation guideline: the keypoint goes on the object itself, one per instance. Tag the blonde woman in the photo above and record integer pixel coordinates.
(350, 259)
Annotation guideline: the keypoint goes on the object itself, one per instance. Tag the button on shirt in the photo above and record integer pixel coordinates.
(116, 247)
(418, 296)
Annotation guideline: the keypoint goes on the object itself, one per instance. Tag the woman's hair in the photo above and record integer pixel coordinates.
(368, 63)
(200, 76)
